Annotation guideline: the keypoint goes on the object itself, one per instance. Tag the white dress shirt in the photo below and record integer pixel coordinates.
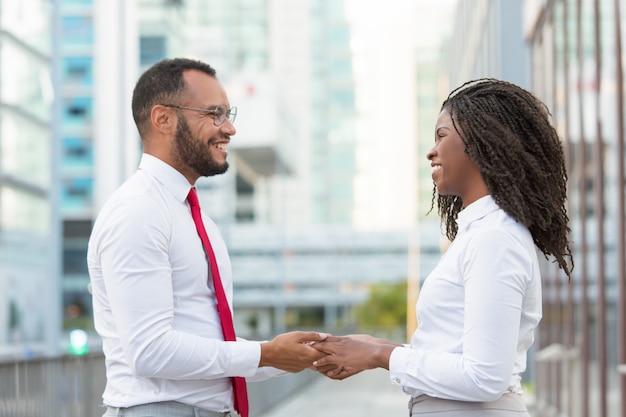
(154, 305)
(477, 312)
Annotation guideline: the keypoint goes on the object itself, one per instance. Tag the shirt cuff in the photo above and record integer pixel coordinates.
(267, 372)
(397, 364)
(244, 358)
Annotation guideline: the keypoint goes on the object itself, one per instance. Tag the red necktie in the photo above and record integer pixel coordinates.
(226, 318)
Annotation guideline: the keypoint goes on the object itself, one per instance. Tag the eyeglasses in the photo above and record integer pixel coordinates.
(220, 113)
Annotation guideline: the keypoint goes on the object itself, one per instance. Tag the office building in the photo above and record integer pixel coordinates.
(29, 232)
(577, 68)
(98, 56)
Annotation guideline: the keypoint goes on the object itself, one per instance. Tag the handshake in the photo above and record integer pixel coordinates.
(337, 357)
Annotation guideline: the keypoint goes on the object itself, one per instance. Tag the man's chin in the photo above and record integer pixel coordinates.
(216, 170)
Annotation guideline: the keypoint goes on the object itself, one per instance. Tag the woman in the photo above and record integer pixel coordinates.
(500, 181)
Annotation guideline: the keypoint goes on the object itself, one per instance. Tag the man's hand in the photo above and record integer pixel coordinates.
(292, 351)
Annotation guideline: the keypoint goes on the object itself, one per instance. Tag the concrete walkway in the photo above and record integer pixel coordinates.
(368, 394)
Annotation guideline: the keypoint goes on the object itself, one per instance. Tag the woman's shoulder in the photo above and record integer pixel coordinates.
(498, 228)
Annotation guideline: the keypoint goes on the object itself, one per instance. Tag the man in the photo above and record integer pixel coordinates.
(157, 270)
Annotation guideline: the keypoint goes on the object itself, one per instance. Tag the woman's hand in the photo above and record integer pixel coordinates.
(349, 355)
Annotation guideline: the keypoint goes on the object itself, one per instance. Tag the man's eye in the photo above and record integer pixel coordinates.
(219, 111)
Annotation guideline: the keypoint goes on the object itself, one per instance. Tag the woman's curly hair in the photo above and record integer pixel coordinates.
(507, 133)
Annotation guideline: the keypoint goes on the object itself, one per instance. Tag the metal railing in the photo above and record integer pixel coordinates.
(557, 367)
(66, 386)
(72, 386)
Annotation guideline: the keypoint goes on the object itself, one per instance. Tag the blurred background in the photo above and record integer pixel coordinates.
(325, 208)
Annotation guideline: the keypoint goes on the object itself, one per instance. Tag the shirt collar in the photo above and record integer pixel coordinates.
(475, 211)
(170, 177)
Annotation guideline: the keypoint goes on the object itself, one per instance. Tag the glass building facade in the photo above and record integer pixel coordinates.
(577, 68)
(27, 250)
(243, 27)
(333, 147)
(160, 36)
(242, 24)
(76, 101)
(92, 68)
(261, 45)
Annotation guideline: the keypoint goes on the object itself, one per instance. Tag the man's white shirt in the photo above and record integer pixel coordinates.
(154, 304)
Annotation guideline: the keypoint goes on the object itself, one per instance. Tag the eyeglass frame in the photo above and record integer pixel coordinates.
(230, 114)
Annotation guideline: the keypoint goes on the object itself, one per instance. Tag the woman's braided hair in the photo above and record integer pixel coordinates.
(507, 133)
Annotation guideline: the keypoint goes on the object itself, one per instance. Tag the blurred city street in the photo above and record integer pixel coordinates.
(366, 394)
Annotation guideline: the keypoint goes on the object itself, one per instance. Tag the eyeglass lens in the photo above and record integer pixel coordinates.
(221, 113)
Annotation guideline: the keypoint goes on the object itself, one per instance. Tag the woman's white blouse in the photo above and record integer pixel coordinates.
(476, 312)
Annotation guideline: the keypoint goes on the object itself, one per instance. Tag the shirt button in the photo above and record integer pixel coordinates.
(397, 381)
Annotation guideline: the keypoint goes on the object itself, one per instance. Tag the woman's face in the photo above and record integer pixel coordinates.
(453, 171)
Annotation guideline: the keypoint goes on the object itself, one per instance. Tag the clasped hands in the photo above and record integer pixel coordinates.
(348, 355)
(337, 357)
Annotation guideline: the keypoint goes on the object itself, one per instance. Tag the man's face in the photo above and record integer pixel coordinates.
(200, 147)
(197, 153)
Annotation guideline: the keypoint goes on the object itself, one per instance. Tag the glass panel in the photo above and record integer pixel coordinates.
(344, 99)
(336, 8)
(77, 152)
(28, 20)
(76, 193)
(26, 82)
(339, 35)
(75, 260)
(608, 116)
(256, 4)
(23, 278)
(152, 49)
(76, 2)
(341, 67)
(77, 31)
(78, 70)
(77, 111)
(22, 211)
(24, 148)
(559, 105)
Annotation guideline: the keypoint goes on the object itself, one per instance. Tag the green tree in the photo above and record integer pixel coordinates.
(385, 308)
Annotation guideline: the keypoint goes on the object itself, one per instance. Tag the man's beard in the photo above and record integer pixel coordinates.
(192, 153)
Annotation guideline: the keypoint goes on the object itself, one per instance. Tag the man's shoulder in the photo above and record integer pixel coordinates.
(136, 208)
(138, 197)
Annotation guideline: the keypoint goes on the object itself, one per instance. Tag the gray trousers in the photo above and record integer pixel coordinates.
(509, 405)
(164, 409)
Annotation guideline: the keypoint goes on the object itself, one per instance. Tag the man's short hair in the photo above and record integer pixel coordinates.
(162, 83)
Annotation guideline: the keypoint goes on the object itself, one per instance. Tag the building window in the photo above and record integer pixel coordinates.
(77, 110)
(77, 152)
(77, 2)
(77, 31)
(78, 70)
(152, 49)
(77, 192)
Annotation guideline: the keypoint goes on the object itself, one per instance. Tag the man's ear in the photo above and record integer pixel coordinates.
(163, 119)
